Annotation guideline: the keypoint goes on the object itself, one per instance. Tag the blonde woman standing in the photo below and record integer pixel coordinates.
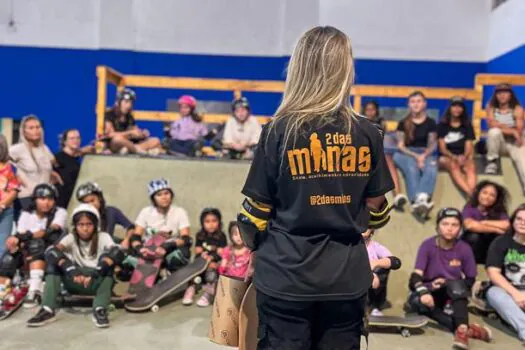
(318, 166)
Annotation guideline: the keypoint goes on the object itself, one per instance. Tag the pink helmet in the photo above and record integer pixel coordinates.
(188, 100)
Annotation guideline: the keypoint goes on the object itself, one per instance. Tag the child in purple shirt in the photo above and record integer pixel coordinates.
(444, 273)
(185, 132)
(381, 262)
(485, 218)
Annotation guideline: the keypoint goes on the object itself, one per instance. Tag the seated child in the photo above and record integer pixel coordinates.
(506, 269)
(381, 262)
(209, 244)
(235, 257)
(186, 132)
(440, 284)
(83, 261)
(110, 217)
(242, 131)
(162, 217)
(38, 228)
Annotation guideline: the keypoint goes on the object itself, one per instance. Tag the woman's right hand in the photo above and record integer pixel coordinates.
(438, 283)
(427, 300)
(519, 298)
(420, 159)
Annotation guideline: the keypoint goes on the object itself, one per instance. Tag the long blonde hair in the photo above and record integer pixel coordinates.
(319, 78)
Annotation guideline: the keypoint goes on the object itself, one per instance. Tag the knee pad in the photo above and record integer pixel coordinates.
(382, 274)
(457, 290)
(36, 248)
(211, 276)
(52, 236)
(53, 256)
(116, 255)
(414, 305)
(9, 263)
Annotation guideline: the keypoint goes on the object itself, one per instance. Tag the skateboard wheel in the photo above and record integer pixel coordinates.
(405, 333)
(155, 308)
(112, 307)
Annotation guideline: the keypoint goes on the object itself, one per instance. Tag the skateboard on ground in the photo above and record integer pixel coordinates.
(479, 304)
(149, 299)
(403, 325)
(248, 320)
(148, 267)
(71, 302)
(12, 300)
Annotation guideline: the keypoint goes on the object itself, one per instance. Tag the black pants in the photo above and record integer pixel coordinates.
(480, 243)
(377, 297)
(451, 322)
(309, 325)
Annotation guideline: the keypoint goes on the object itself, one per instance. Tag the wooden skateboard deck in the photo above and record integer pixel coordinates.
(12, 301)
(248, 320)
(151, 297)
(402, 324)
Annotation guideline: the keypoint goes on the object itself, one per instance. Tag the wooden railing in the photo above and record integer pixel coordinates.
(107, 75)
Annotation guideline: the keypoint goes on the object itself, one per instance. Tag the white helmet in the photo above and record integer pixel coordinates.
(86, 208)
(158, 185)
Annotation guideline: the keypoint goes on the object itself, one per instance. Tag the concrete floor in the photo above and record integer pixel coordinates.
(179, 327)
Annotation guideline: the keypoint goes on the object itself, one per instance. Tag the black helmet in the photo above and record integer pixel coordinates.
(126, 94)
(88, 188)
(213, 211)
(241, 102)
(45, 190)
(449, 213)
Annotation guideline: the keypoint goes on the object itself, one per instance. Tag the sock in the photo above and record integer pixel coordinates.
(48, 309)
(36, 278)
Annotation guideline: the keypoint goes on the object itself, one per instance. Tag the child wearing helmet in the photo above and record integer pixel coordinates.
(444, 273)
(185, 132)
(91, 193)
(242, 132)
(38, 228)
(163, 217)
(83, 261)
(121, 130)
(209, 244)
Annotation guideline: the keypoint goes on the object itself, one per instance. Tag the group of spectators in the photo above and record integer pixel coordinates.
(420, 145)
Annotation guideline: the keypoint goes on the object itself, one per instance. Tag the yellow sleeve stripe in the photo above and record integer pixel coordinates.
(259, 223)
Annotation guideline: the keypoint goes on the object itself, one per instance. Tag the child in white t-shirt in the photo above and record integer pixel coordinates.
(83, 261)
(242, 132)
(162, 217)
(38, 228)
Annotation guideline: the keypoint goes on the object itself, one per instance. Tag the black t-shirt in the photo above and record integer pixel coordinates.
(114, 217)
(508, 255)
(455, 138)
(421, 132)
(313, 249)
(68, 167)
(210, 242)
(120, 123)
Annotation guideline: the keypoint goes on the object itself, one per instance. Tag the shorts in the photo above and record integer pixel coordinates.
(300, 325)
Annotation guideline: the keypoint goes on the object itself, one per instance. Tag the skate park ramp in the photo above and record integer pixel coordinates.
(217, 183)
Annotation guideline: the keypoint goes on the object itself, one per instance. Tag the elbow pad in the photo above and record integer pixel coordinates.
(395, 263)
(379, 218)
(252, 220)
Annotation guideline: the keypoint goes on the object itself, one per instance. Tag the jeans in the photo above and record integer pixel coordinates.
(417, 181)
(502, 302)
(6, 226)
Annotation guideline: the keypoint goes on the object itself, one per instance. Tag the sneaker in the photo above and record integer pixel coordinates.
(204, 300)
(399, 201)
(33, 299)
(43, 317)
(460, 339)
(491, 168)
(479, 332)
(376, 312)
(422, 206)
(100, 317)
(123, 150)
(187, 300)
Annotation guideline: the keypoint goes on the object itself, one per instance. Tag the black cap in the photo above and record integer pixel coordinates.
(503, 87)
(448, 213)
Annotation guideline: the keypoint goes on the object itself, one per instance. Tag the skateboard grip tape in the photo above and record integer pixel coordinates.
(224, 324)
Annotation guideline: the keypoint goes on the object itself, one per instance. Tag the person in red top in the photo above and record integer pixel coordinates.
(9, 187)
(235, 257)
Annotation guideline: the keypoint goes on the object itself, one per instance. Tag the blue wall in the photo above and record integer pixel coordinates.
(59, 85)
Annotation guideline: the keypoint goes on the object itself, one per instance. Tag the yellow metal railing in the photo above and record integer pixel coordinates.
(107, 76)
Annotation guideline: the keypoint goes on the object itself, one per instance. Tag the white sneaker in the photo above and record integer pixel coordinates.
(187, 300)
(422, 206)
(376, 312)
(491, 168)
(400, 200)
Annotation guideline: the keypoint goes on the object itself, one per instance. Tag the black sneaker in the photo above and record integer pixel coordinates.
(43, 317)
(100, 317)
